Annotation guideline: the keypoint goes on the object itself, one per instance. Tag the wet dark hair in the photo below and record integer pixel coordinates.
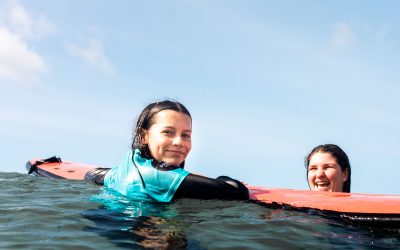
(146, 120)
(341, 159)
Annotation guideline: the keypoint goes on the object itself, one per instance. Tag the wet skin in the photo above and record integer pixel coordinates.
(169, 138)
(325, 174)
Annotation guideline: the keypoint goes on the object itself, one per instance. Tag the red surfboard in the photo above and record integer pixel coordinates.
(369, 209)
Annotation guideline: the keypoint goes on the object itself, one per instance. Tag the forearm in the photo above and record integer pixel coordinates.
(201, 187)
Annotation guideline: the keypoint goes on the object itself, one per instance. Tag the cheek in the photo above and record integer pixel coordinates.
(310, 174)
(155, 145)
(153, 149)
(156, 141)
(334, 176)
(310, 177)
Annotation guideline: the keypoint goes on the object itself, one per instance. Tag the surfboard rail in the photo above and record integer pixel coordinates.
(376, 210)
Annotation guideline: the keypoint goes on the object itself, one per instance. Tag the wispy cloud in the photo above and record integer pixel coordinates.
(93, 55)
(18, 62)
(343, 36)
(26, 24)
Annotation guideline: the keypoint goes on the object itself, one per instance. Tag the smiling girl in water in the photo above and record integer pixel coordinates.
(153, 169)
(328, 169)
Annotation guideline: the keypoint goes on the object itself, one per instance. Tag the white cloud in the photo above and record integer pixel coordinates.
(17, 62)
(29, 26)
(343, 36)
(93, 55)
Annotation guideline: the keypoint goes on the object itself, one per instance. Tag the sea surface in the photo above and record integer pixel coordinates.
(41, 213)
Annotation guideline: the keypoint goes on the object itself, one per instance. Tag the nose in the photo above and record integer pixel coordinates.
(177, 141)
(320, 172)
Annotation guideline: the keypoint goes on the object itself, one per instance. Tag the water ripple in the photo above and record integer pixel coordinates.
(40, 213)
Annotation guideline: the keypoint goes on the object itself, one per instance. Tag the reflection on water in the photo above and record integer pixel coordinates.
(331, 233)
(149, 232)
(137, 224)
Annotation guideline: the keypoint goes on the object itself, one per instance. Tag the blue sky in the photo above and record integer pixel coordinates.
(265, 81)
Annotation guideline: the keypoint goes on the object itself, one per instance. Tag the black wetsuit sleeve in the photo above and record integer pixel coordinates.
(97, 175)
(201, 187)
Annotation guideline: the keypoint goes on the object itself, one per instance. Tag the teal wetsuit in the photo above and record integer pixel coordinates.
(137, 178)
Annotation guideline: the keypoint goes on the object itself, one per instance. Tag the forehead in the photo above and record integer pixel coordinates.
(172, 118)
(322, 158)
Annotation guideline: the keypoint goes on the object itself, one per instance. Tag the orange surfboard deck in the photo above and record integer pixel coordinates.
(332, 201)
(61, 170)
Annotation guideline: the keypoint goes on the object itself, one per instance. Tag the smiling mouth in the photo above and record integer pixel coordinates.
(175, 152)
(322, 185)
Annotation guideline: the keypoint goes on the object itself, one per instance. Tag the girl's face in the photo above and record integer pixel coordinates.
(169, 138)
(325, 174)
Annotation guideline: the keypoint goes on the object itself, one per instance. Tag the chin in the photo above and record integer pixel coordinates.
(175, 163)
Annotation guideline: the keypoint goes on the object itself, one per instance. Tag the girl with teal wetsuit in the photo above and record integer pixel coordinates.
(153, 169)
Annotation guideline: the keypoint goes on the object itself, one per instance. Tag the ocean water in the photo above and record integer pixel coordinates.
(41, 213)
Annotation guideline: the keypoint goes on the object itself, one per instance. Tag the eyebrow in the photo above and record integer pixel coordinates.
(330, 164)
(325, 164)
(171, 127)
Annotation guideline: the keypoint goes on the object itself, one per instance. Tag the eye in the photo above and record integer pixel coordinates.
(186, 135)
(329, 167)
(312, 168)
(168, 132)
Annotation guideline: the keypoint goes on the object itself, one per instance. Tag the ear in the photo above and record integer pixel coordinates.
(145, 136)
(345, 175)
